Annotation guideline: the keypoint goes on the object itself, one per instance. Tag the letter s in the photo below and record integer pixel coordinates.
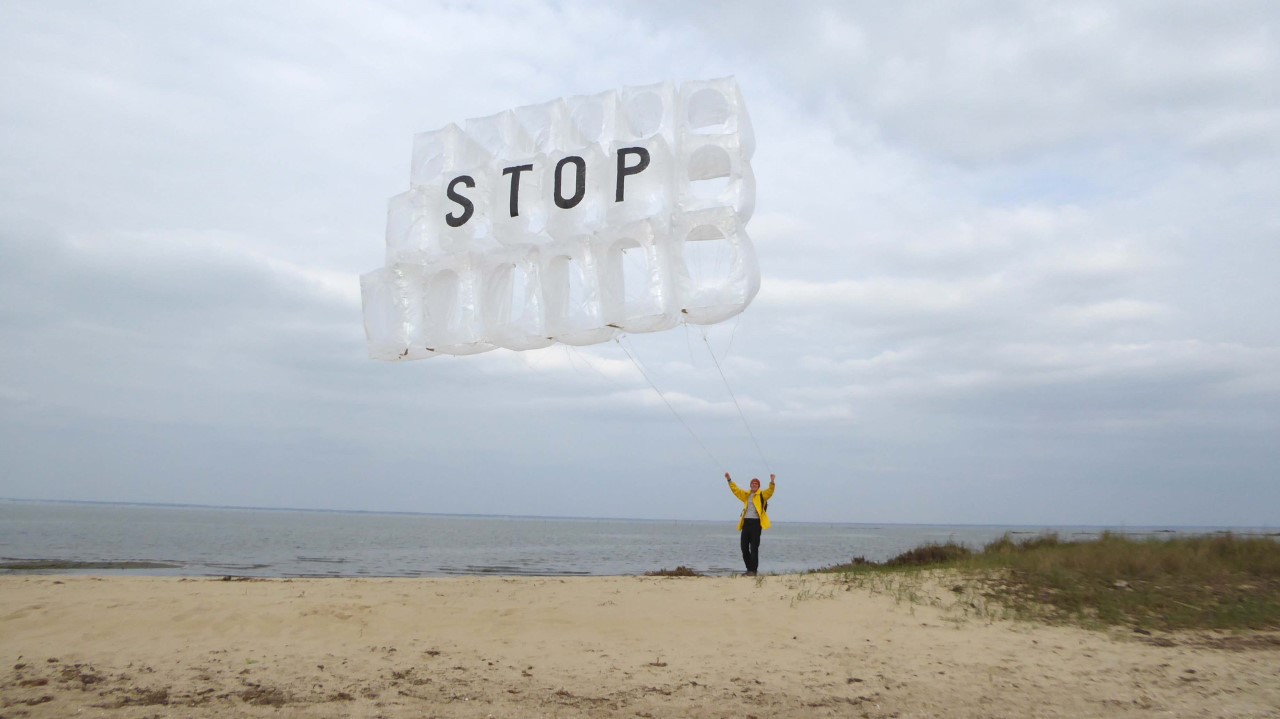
(468, 208)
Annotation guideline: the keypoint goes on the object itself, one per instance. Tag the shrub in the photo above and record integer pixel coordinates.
(929, 554)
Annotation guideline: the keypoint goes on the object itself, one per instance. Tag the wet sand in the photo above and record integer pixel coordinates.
(777, 646)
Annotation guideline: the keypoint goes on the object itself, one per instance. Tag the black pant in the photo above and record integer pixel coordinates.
(751, 543)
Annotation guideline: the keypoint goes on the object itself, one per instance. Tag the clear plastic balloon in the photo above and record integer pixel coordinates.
(570, 221)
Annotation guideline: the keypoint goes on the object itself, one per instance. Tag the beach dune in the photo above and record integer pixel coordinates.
(776, 646)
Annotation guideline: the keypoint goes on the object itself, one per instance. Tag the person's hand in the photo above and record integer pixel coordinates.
(772, 477)
(727, 478)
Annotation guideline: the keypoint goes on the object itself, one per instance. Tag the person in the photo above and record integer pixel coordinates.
(754, 519)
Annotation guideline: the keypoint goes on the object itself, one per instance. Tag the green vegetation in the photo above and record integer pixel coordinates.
(1200, 582)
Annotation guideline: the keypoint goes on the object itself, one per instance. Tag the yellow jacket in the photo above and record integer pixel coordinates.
(742, 494)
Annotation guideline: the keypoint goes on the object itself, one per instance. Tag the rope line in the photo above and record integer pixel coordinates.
(735, 402)
(733, 332)
(644, 374)
(585, 360)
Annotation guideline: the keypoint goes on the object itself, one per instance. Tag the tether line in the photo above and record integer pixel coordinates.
(735, 402)
(663, 397)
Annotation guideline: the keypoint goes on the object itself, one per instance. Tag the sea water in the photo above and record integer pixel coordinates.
(208, 541)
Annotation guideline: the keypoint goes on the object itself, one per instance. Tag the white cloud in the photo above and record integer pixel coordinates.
(883, 296)
(1114, 311)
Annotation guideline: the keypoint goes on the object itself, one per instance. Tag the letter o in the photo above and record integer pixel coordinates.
(580, 166)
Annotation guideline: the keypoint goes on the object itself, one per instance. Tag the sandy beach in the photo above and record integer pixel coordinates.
(775, 646)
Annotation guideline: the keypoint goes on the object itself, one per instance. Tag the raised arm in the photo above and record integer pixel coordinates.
(739, 493)
(767, 493)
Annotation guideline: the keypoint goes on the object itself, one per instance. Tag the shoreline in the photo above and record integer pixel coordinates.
(469, 646)
(220, 542)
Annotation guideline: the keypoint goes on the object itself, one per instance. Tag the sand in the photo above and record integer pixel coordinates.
(776, 646)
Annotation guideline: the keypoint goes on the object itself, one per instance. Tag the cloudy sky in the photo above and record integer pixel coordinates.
(1019, 263)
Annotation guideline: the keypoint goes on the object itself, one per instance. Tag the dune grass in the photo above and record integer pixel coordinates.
(1198, 582)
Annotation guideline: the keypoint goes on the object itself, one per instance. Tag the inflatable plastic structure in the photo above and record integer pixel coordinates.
(571, 221)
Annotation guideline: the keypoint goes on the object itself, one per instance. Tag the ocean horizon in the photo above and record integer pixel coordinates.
(174, 539)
